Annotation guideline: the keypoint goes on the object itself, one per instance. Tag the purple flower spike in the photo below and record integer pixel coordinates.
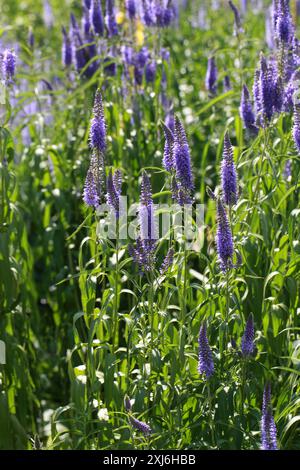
(182, 158)
(168, 160)
(206, 363)
(98, 127)
(237, 17)
(117, 180)
(31, 39)
(140, 426)
(114, 183)
(95, 180)
(90, 194)
(211, 76)
(288, 95)
(246, 111)
(67, 49)
(226, 84)
(146, 192)
(93, 192)
(141, 57)
(150, 71)
(170, 121)
(278, 93)
(86, 23)
(168, 14)
(9, 60)
(283, 22)
(247, 344)
(228, 174)
(81, 55)
(144, 252)
(131, 8)
(127, 404)
(257, 93)
(296, 127)
(268, 427)
(96, 17)
(266, 91)
(110, 18)
(147, 12)
(138, 75)
(167, 262)
(224, 239)
(146, 210)
(75, 28)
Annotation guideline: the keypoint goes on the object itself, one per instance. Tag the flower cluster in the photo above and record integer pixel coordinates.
(211, 76)
(246, 111)
(159, 13)
(268, 427)
(247, 344)
(206, 363)
(275, 80)
(177, 160)
(7, 65)
(144, 251)
(95, 180)
(228, 174)
(114, 185)
(224, 240)
(141, 426)
(83, 46)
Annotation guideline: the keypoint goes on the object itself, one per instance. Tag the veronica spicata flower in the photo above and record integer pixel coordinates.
(131, 8)
(296, 127)
(237, 17)
(168, 159)
(268, 427)
(9, 60)
(144, 252)
(246, 111)
(211, 76)
(224, 240)
(283, 22)
(247, 344)
(206, 363)
(95, 179)
(182, 159)
(98, 126)
(228, 174)
(67, 49)
(110, 18)
(114, 184)
(168, 261)
(140, 426)
(96, 17)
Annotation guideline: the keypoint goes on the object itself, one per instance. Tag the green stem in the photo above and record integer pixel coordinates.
(211, 418)
(183, 308)
(115, 311)
(256, 191)
(227, 310)
(243, 389)
(151, 313)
